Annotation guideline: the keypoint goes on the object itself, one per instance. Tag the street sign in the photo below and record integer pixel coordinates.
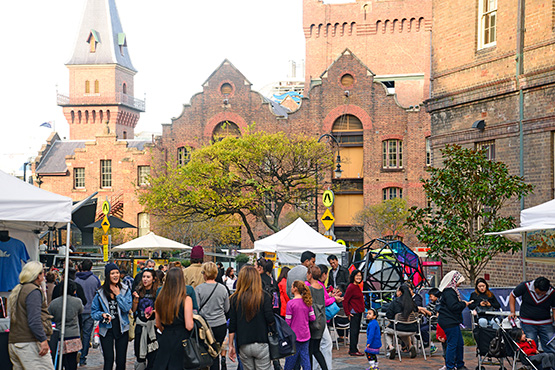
(327, 198)
(105, 254)
(106, 208)
(327, 219)
(105, 224)
(341, 241)
(105, 239)
(330, 237)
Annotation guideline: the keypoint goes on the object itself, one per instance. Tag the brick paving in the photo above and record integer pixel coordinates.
(341, 360)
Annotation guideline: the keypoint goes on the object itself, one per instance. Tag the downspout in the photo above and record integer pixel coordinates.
(519, 71)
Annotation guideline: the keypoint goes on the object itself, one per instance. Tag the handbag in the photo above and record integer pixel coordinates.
(281, 341)
(332, 310)
(195, 353)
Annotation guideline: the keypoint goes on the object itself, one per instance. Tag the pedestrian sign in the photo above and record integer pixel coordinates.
(106, 208)
(105, 239)
(327, 198)
(341, 241)
(105, 224)
(327, 219)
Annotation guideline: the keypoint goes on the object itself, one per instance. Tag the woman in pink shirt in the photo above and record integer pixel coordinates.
(298, 314)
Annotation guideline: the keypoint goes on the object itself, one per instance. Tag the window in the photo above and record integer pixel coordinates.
(392, 154)
(489, 147)
(144, 223)
(87, 87)
(183, 155)
(347, 129)
(269, 206)
(78, 178)
(488, 22)
(225, 129)
(143, 172)
(96, 87)
(347, 80)
(226, 89)
(392, 193)
(106, 173)
(428, 151)
(124, 88)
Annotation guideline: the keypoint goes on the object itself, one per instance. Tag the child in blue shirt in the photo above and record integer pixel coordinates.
(373, 339)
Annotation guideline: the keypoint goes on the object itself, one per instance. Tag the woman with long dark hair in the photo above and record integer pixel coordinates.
(282, 286)
(143, 308)
(484, 300)
(250, 318)
(111, 306)
(174, 318)
(404, 305)
(353, 304)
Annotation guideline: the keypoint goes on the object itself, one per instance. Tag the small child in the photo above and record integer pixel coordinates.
(431, 308)
(373, 339)
(298, 313)
(528, 346)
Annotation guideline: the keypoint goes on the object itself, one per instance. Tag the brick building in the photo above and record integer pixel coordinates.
(382, 144)
(102, 153)
(476, 96)
(392, 37)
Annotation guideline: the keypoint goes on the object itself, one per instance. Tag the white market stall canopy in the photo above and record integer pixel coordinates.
(149, 243)
(26, 207)
(297, 238)
(540, 217)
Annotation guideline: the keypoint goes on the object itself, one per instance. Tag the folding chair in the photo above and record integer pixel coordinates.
(339, 326)
(414, 318)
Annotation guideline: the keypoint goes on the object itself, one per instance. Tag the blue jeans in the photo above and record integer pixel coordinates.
(302, 353)
(88, 324)
(454, 353)
(545, 332)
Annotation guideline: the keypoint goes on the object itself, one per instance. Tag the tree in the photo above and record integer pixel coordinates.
(467, 194)
(253, 177)
(383, 219)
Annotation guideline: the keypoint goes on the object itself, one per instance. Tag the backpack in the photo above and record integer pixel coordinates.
(286, 337)
(273, 292)
(497, 346)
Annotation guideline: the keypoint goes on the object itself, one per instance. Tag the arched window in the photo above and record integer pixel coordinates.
(225, 129)
(392, 193)
(87, 87)
(96, 87)
(124, 88)
(348, 129)
(94, 116)
(86, 116)
(392, 153)
(107, 116)
(183, 155)
(79, 115)
(72, 117)
(124, 135)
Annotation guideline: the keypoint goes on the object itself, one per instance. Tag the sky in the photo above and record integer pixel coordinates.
(174, 44)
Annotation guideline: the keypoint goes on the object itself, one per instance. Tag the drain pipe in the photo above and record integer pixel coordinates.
(519, 71)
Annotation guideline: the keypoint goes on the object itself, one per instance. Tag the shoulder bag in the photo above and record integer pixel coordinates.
(195, 353)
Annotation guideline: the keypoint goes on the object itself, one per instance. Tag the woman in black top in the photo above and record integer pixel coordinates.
(250, 318)
(484, 300)
(404, 305)
(143, 311)
(174, 318)
(450, 318)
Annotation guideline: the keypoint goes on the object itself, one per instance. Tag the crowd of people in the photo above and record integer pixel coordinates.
(157, 309)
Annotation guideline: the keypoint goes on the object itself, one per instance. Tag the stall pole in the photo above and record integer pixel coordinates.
(64, 299)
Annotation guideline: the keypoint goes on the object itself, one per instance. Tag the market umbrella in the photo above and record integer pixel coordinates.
(149, 243)
(115, 223)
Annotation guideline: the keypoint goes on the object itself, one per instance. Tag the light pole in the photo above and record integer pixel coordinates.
(338, 171)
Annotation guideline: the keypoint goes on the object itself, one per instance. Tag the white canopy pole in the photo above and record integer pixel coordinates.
(64, 299)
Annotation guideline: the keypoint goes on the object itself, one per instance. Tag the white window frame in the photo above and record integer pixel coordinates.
(392, 192)
(142, 175)
(397, 154)
(487, 9)
(428, 151)
(79, 179)
(106, 173)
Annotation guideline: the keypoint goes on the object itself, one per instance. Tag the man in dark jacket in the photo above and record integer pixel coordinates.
(338, 277)
(90, 283)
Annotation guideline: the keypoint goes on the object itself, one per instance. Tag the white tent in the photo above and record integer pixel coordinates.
(150, 242)
(297, 237)
(540, 217)
(26, 210)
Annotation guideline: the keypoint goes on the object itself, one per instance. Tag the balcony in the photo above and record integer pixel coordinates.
(102, 99)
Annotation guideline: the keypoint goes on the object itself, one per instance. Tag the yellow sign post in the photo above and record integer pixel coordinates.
(105, 252)
(105, 224)
(327, 198)
(106, 208)
(328, 219)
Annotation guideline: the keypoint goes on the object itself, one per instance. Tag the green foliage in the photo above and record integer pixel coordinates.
(242, 258)
(383, 219)
(467, 194)
(239, 177)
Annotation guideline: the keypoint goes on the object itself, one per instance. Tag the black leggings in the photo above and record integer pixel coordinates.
(354, 332)
(219, 335)
(150, 357)
(314, 350)
(107, 342)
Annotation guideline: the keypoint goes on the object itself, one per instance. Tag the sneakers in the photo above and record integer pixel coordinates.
(443, 367)
(391, 354)
(433, 349)
(412, 351)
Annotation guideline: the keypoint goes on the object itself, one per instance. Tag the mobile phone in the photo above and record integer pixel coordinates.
(148, 310)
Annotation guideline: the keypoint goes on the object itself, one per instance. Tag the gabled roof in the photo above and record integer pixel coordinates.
(101, 24)
(54, 160)
(247, 82)
(346, 52)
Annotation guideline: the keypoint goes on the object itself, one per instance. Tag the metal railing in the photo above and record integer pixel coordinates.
(101, 99)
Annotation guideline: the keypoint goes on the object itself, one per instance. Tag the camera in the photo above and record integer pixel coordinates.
(106, 320)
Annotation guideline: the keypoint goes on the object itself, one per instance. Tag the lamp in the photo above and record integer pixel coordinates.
(338, 171)
(480, 125)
